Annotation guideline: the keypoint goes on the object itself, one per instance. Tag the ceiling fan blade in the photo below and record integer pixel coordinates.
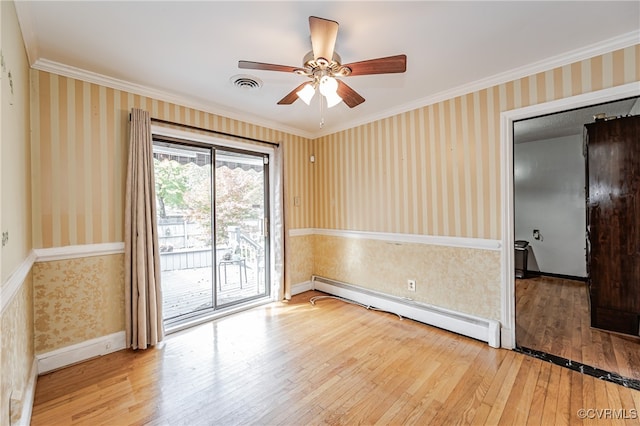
(388, 65)
(292, 96)
(323, 37)
(348, 95)
(267, 67)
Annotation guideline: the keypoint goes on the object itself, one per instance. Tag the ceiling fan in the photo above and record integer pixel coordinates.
(322, 65)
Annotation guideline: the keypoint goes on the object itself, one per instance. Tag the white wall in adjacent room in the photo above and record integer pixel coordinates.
(549, 186)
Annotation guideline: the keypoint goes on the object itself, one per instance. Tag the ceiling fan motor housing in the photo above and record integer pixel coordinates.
(318, 68)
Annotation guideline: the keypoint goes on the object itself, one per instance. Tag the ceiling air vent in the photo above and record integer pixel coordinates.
(246, 82)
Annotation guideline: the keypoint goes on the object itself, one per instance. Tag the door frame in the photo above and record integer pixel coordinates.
(275, 246)
(507, 118)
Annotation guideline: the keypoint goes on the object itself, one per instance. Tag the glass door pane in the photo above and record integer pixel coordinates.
(183, 199)
(241, 206)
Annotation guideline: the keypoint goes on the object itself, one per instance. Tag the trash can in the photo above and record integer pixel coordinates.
(521, 256)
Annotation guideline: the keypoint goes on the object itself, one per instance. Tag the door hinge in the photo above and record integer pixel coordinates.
(265, 159)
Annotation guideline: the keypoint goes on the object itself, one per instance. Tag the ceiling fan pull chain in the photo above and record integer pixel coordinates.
(321, 113)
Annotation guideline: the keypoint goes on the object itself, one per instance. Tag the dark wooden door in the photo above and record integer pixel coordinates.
(613, 223)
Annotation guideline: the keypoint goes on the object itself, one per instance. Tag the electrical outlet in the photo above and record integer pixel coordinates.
(411, 285)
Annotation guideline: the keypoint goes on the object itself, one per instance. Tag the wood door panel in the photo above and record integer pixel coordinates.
(613, 220)
(616, 320)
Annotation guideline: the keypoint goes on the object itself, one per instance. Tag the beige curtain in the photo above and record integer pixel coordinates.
(143, 294)
(281, 283)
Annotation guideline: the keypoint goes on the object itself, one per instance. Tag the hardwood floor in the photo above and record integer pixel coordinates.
(552, 315)
(331, 363)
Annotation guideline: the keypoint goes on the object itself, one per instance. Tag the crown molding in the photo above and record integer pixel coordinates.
(161, 95)
(30, 40)
(31, 45)
(620, 42)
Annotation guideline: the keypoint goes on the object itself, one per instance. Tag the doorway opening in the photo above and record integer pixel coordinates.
(548, 216)
(213, 211)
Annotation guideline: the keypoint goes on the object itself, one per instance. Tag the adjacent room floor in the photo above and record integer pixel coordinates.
(552, 315)
(295, 363)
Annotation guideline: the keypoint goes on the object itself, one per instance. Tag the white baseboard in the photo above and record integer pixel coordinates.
(83, 351)
(29, 396)
(467, 325)
(301, 287)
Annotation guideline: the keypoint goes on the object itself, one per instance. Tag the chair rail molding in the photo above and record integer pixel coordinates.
(78, 251)
(14, 282)
(461, 242)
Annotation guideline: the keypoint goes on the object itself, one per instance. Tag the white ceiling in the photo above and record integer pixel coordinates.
(568, 123)
(186, 52)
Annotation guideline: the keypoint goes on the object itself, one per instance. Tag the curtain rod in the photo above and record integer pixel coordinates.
(157, 120)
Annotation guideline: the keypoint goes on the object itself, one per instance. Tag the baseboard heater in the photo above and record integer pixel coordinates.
(477, 328)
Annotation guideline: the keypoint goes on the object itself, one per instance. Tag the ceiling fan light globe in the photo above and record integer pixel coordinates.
(328, 86)
(333, 99)
(306, 93)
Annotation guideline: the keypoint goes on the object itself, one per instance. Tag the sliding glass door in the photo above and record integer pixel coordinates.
(241, 204)
(212, 208)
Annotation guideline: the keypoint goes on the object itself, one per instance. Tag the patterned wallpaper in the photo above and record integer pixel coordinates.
(298, 177)
(299, 251)
(435, 170)
(16, 317)
(431, 171)
(460, 279)
(77, 300)
(17, 349)
(79, 157)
